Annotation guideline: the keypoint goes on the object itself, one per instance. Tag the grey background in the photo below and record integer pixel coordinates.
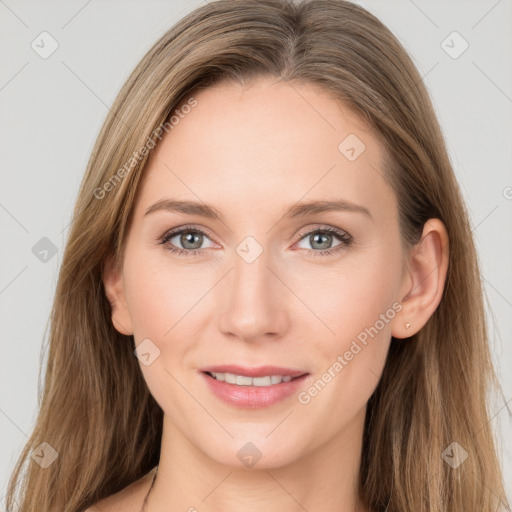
(51, 111)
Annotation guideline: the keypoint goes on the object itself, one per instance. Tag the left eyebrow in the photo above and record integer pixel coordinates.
(314, 207)
(297, 210)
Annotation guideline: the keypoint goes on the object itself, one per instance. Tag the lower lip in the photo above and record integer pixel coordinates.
(253, 397)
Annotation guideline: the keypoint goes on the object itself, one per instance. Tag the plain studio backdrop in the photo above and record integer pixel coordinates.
(55, 95)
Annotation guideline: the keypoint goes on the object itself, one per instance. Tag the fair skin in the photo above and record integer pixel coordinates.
(252, 152)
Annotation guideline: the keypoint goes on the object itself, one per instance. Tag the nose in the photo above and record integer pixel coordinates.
(254, 301)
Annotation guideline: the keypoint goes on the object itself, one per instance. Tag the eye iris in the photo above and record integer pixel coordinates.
(326, 242)
(188, 237)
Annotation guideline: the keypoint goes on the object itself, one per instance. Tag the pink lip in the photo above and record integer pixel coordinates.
(254, 397)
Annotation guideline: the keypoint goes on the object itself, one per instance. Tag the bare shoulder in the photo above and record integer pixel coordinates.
(128, 499)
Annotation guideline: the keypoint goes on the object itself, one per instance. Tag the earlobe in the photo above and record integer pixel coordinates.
(428, 266)
(112, 278)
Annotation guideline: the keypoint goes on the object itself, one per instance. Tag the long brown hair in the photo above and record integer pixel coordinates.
(96, 411)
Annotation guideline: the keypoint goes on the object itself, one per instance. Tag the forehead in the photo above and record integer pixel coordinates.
(269, 142)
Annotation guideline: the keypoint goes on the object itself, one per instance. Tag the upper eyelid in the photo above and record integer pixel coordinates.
(324, 227)
(171, 233)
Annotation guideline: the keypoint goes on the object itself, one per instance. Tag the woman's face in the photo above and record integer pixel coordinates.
(254, 279)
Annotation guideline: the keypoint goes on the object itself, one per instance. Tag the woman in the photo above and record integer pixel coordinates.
(270, 295)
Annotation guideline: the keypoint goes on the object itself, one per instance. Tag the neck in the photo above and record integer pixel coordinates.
(326, 477)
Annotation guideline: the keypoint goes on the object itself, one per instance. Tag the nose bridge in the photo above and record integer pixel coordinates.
(253, 307)
(250, 277)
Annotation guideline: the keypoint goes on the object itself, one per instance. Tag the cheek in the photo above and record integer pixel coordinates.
(160, 301)
(352, 297)
(159, 295)
(358, 304)
(166, 305)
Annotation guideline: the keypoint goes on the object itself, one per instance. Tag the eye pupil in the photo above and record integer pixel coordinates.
(326, 242)
(188, 237)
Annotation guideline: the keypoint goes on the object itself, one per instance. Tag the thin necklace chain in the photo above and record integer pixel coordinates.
(150, 487)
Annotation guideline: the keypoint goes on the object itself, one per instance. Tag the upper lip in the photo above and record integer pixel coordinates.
(260, 371)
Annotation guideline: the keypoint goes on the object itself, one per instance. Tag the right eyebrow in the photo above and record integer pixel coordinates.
(187, 207)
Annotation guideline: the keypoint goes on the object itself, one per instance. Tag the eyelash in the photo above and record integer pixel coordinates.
(344, 238)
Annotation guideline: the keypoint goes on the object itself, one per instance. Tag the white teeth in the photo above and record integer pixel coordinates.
(242, 380)
(230, 378)
(264, 381)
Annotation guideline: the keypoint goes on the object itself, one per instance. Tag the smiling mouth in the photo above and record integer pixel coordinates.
(243, 380)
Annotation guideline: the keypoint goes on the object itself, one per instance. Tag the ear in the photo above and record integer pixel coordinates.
(423, 286)
(112, 277)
